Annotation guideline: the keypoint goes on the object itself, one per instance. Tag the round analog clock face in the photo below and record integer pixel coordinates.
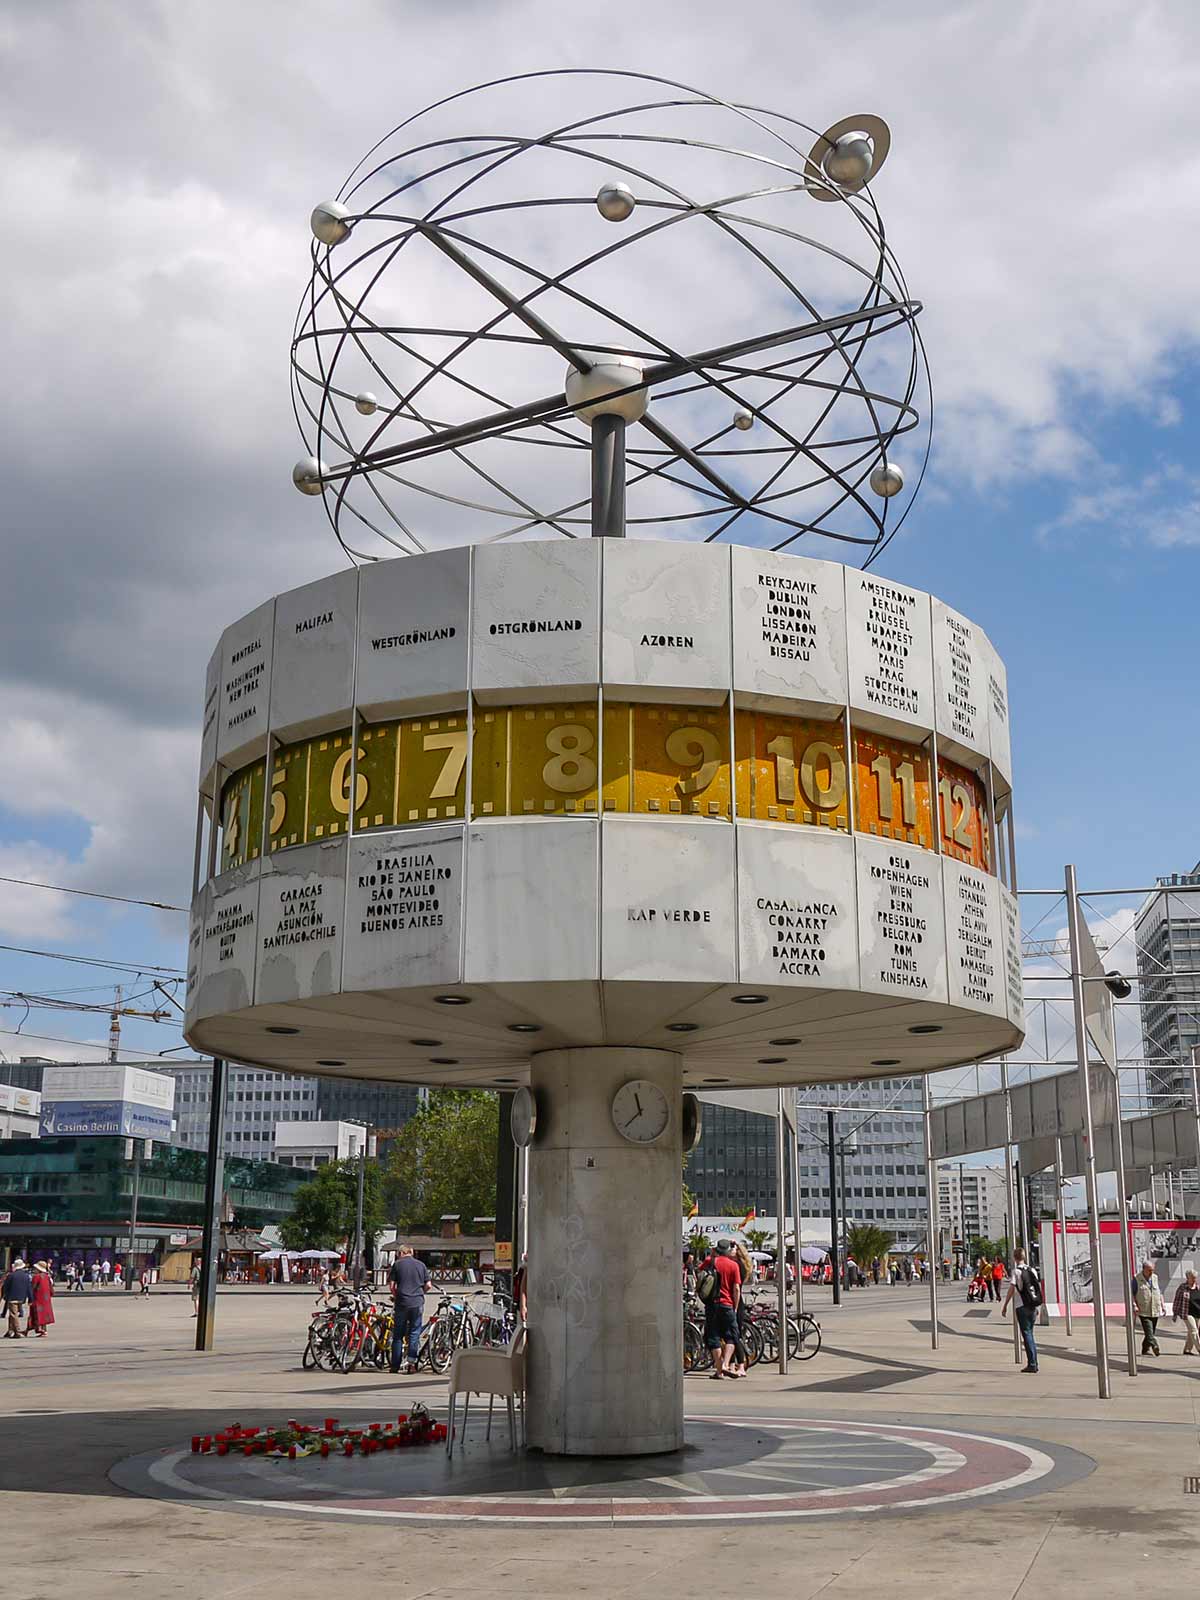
(524, 1117)
(692, 1125)
(641, 1111)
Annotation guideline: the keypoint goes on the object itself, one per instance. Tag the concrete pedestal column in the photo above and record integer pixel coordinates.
(604, 1368)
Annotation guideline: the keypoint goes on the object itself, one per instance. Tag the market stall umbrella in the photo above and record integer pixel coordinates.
(810, 1255)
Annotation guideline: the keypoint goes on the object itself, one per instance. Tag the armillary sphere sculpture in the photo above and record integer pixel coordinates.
(469, 304)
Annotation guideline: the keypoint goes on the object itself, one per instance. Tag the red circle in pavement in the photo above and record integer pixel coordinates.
(937, 1467)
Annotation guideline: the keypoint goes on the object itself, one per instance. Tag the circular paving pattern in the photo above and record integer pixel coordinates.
(732, 1467)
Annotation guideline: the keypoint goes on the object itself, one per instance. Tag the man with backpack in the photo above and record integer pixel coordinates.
(719, 1285)
(1026, 1285)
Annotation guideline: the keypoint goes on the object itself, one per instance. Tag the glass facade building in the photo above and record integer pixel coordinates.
(1167, 935)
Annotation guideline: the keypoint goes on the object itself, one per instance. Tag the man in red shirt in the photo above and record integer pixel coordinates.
(720, 1311)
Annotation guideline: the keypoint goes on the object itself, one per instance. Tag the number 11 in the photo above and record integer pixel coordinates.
(907, 779)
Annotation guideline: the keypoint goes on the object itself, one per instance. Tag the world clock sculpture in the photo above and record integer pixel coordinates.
(612, 785)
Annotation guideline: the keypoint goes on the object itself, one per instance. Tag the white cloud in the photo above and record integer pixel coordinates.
(161, 162)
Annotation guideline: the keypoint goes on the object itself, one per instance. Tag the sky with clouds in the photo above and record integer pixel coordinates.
(159, 166)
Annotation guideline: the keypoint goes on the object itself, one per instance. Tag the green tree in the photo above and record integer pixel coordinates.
(445, 1160)
(756, 1238)
(989, 1249)
(865, 1242)
(325, 1209)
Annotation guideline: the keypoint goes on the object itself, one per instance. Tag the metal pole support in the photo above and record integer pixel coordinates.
(833, 1214)
(1103, 1385)
(1062, 1235)
(133, 1211)
(214, 1189)
(933, 1262)
(608, 477)
(780, 1229)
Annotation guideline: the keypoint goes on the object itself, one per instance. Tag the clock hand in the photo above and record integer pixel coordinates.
(638, 1104)
(633, 1119)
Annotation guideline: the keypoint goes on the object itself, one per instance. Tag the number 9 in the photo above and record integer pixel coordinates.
(681, 745)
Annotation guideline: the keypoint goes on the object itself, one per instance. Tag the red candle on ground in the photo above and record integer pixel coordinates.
(195, 1443)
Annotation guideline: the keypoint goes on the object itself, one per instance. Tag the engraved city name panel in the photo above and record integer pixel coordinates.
(404, 910)
(976, 972)
(208, 736)
(797, 916)
(413, 633)
(1010, 928)
(245, 685)
(999, 734)
(888, 634)
(666, 620)
(312, 671)
(901, 921)
(960, 673)
(667, 902)
(789, 632)
(300, 906)
(535, 621)
(227, 951)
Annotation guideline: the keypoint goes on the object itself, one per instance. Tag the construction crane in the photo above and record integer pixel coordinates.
(114, 1012)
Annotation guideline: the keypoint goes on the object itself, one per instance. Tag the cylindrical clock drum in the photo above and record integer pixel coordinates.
(584, 814)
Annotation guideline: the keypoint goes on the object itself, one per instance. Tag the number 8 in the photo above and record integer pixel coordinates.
(569, 744)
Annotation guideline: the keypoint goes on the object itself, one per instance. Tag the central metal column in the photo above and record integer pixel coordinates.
(931, 1210)
(833, 1213)
(780, 1226)
(214, 1189)
(608, 477)
(605, 1357)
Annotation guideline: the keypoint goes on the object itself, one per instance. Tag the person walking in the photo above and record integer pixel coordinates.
(1026, 1286)
(745, 1267)
(1150, 1307)
(106, 1272)
(15, 1293)
(146, 1278)
(117, 1279)
(997, 1278)
(410, 1283)
(1187, 1305)
(194, 1287)
(720, 1306)
(41, 1300)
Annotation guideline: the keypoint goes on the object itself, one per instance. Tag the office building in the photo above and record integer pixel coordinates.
(20, 1113)
(256, 1102)
(314, 1144)
(1167, 936)
(25, 1073)
(971, 1202)
(879, 1140)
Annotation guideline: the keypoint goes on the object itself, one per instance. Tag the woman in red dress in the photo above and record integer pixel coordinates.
(41, 1304)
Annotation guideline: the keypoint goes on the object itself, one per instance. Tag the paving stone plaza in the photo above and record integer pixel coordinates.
(947, 1468)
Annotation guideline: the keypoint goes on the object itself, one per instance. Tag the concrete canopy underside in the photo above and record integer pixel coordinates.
(410, 1035)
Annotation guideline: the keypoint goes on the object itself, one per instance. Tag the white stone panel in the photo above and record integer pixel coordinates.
(1010, 930)
(300, 915)
(668, 901)
(245, 686)
(228, 948)
(789, 631)
(901, 921)
(404, 909)
(976, 970)
(532, 890)
(889, 650)
(666, 619)
(413, 633)
(535, 621)
(961, 659)
(999, 734)
(208, 736)
(312, 670)
(797, 917)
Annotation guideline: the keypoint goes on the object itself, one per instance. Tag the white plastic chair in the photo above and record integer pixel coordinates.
(483, 1369)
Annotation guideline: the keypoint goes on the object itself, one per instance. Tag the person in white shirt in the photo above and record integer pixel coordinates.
(1026, 1286)
(106, 1271)
(1149, 1300)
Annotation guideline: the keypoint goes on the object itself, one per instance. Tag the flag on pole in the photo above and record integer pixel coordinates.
(695, 1211)
(748, 1218)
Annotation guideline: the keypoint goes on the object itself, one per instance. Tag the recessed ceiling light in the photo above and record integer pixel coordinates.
(682, 1027)
(444, 1061)
(331, 1063)
(926, 1027)
(524, 1027)
(453, 999)
(771, 1061)
(713, 1081)
(283, 1030)
(785, 1041)
(506, 1080)
(885, 1063)
(426, 1044)
(749, 999)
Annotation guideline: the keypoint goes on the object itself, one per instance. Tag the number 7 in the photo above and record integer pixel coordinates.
(452, 768)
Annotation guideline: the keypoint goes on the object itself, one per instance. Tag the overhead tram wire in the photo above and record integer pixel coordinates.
(93, 894)
(139, 968)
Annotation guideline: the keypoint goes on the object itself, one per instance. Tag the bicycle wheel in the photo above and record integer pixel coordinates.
(752, 1339)
(309, 1359)
(810, 1339)
(340, 1341)
(441, 1346)
(695, 1356)
(767, 1329)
